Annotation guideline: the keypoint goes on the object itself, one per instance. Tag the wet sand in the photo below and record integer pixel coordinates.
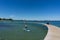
(53, 33)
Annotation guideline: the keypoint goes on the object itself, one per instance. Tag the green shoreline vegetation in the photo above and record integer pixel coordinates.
(6, 19)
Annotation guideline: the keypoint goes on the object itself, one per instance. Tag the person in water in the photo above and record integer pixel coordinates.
(26, 28)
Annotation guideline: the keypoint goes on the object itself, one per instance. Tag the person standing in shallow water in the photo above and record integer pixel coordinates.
(26, 26)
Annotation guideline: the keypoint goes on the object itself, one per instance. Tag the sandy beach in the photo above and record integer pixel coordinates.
(53, 33)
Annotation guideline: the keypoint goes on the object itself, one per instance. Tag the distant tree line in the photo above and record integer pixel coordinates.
(5, 19)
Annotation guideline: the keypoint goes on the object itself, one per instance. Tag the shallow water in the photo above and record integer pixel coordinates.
(14, 31)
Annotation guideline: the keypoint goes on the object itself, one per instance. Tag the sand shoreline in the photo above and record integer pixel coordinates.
(53, 33)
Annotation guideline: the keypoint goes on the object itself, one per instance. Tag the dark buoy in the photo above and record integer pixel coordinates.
(48, 23)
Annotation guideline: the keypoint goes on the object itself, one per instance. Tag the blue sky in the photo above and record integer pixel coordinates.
(30, 9)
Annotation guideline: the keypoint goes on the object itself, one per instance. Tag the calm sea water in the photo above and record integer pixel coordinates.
(13, 30)
(56, 23)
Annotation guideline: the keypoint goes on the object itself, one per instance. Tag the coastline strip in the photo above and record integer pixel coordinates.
(53, 32)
